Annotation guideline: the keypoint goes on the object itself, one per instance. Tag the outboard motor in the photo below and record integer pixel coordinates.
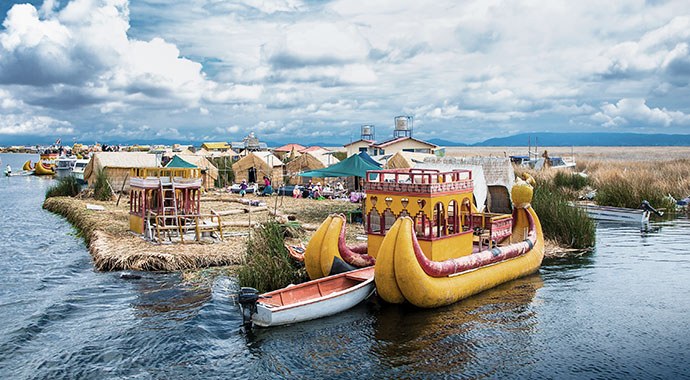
(647, 207)
(247, 298)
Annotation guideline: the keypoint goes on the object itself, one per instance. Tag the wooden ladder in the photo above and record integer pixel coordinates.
(167, 222)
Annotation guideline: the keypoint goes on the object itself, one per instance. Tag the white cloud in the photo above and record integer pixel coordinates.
(315, 70)
(13, 124)
(636, 113)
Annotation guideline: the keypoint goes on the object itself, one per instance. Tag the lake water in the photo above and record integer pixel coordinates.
(620, 312)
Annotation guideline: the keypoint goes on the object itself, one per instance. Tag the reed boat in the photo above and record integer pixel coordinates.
(42, 169)
(327, 252)
(310, 300)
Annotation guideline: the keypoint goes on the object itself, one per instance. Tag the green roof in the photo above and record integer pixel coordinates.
(177, 162)
(356, 165)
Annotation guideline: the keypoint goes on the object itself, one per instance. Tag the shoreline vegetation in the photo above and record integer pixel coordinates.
(113, 247)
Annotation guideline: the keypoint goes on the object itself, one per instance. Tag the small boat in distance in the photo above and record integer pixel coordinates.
(619, 214)
(310, 300)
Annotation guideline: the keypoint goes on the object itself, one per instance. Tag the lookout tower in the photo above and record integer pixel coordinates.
(367, 132)
(446, 220)
(403, 126)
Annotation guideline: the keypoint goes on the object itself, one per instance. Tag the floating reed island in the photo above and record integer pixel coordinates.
(113, 245)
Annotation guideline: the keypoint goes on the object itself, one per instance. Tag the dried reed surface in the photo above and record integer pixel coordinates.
(114, 247)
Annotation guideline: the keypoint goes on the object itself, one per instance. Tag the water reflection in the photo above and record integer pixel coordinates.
(162, 295)
(449, 339)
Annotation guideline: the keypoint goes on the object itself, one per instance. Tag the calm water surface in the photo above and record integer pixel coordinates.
(621, 312)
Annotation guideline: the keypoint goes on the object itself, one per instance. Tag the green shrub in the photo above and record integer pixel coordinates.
(567, 225)
(268, 265)
(65, 187)
(226, 176)
(101, 187)
(340, 155)
(573, 181)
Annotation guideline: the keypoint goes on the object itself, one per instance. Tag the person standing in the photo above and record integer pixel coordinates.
(243, 188)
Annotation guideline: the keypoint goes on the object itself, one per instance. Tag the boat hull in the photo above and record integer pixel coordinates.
(308, 309)
(400, 277)
(41, 169)
(615, 214)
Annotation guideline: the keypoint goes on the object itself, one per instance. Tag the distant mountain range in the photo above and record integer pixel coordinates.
(523, 139)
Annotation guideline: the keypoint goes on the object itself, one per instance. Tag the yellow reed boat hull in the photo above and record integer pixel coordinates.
(40, 169)
(400, 277)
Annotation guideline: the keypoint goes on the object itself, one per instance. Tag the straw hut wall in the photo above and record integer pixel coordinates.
(316, 159)
(209, 172)
(117, 165)
(255, 165)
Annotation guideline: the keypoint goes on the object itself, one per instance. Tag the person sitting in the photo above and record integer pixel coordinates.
(268, 189)
(297, 192)
(243, 188)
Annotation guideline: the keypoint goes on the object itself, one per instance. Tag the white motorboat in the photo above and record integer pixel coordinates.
(78, 169)
(64, 165)
(619, 214)
(310, 300)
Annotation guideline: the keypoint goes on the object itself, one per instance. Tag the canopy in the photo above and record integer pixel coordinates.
(356, 165)
(178, 162)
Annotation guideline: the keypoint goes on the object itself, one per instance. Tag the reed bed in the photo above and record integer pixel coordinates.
(65, 187)
(627, 184)
(566, 225)
(267, 264)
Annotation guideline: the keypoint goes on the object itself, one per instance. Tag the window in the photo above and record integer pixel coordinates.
(374, 223)
(453, 218)
(388, 220)
(439, 220)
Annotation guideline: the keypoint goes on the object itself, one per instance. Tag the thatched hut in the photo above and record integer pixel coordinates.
(255, 165)
(117, 166)
(311, 160)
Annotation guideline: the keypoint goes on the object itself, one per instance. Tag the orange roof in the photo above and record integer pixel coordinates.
(289, 148)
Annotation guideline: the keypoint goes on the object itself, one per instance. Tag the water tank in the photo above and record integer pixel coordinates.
(403, 126)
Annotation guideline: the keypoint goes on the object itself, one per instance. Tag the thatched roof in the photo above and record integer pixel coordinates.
(122, 160)
(316, 159)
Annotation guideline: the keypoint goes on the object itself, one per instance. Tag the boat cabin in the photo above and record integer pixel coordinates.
(446, 221)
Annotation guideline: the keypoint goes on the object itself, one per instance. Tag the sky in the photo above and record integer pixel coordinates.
(315, 71)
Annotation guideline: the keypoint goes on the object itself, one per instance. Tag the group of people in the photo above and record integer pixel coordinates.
(316, 191)
(267, 190)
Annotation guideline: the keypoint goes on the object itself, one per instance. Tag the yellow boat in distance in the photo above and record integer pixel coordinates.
(429, 243)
